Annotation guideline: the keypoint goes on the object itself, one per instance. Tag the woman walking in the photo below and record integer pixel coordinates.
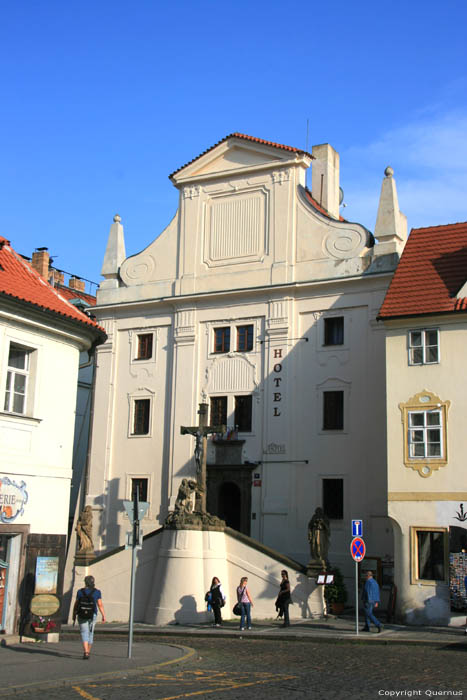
(88, 600)
(217, 600)
(283, 599)
(245, 602)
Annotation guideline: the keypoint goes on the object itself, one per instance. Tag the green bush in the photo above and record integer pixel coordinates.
(336, 592)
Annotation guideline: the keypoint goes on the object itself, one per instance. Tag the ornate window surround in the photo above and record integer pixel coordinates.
(425, 401)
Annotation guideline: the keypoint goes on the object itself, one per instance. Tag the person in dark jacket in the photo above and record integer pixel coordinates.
(283, 599)
(217, 600)
(371, 600)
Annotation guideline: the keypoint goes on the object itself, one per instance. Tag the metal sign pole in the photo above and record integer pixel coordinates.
(133, 565)
(356, 597)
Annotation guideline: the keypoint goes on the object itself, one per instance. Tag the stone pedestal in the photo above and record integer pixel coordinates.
(187, 561)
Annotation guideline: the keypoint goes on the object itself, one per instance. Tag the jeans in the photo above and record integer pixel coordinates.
(245, 608)
(86, 627)
(369, 617)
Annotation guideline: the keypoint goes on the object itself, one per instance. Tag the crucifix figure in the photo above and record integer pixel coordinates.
(200, 433)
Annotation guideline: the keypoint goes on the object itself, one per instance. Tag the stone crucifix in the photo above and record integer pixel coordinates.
(200, 433)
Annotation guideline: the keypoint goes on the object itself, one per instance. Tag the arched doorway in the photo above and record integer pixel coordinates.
(230, 504)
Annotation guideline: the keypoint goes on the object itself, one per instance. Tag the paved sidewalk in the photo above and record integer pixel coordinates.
(330, 629)
(38, 665)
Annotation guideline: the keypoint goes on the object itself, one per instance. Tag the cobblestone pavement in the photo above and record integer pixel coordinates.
(228, 669)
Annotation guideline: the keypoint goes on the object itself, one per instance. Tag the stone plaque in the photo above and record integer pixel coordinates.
(44, 605)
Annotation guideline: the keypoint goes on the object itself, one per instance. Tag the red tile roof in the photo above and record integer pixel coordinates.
(19, 281)
(236, 135)
(317, 206)
(70, 293)
(431, 271)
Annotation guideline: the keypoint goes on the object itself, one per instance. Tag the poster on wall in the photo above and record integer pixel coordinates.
(13, 498)
(46, 575)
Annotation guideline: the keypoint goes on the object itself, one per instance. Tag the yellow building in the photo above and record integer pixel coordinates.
(425, 314)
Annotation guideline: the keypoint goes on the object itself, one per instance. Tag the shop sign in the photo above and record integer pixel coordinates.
(46, 575)
(44, 605)
(13, 498)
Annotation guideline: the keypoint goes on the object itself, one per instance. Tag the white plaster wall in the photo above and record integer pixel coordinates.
(175, 569)
(37, 448)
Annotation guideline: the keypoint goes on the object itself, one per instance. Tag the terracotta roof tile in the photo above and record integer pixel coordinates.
(19, 280)
(70, 293)
(317, 206)
(431, 271)
(246, 138)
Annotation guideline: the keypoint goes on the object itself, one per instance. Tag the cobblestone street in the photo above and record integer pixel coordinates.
(229, 669)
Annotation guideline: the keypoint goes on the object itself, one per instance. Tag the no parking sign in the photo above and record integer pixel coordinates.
(357, 549)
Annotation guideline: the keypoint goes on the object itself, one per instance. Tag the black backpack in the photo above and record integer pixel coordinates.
(85, 609)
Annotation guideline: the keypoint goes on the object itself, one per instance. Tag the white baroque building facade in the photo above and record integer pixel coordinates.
(261, 301)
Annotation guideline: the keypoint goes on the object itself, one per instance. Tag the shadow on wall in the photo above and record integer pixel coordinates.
(435, 610)
(301, 595)
(188, 611)
(108, 525)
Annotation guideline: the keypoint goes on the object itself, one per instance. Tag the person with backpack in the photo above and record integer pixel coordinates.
(88, 600)
(215, 597)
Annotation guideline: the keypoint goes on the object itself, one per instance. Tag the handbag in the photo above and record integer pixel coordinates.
(237, 609)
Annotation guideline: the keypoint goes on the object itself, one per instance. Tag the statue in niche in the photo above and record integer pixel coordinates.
(319, 535)
(84, 530)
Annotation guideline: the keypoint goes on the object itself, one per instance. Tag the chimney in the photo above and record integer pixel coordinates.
(56, 277)
(77, 283)
(40, 262)
(325, 178)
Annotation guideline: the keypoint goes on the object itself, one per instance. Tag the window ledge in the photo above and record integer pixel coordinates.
(20, 417)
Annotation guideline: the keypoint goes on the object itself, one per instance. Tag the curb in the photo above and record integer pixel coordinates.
(325, 637)
(83, 680)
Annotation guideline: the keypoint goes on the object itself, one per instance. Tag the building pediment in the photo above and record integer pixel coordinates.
(238, 154)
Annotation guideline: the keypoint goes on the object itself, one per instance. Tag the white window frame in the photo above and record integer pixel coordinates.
(423, 346)
(415, 431)
(9, 382)
(425, 402)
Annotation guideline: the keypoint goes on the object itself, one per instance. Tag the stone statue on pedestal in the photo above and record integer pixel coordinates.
(319, 535)
(84, 531)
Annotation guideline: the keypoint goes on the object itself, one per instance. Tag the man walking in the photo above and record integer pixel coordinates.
(370, 598)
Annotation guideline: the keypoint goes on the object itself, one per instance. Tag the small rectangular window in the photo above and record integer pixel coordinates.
(17, 379)
(333, 410)
(431, 555)
(242, 419)
(222, 339)
(144, 349)
(334, 330)
(425, 434)
(219, 410)
(244, 338)
(142, 410)
(142, 483)
(424, 347)
(333, 498)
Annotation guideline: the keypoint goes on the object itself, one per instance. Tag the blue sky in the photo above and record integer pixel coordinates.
(101, 101)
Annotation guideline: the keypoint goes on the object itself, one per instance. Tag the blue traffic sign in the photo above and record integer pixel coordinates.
(357, 549)
(357, 528)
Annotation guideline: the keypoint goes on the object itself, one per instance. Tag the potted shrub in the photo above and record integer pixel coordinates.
(335, 593)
